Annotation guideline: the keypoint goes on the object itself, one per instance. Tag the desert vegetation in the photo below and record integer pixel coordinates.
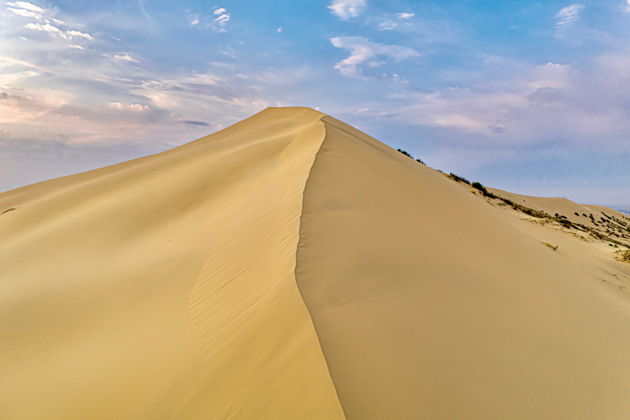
(459, 178)
(404, 152)
(608, 228)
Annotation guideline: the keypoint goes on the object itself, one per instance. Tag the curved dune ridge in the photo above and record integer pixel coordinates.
(292, 267)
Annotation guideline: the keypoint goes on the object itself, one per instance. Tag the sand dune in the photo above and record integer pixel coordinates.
(164, 287)
(292, 267)
(599, 218)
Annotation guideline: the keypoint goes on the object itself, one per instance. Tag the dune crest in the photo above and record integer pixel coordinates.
(291, 266)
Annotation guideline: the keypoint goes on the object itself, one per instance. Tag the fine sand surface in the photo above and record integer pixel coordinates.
(164, 287)
(292, 267)
(431, 304)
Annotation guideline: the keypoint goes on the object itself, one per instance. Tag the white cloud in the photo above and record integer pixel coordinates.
(628, 6)
(401, 18)
(44, 27)
(218, 21)
(125, 57)
(407, 15)
(26, 6)
(24, 13)
(568, 15)
(26, 10)
(78, 34)
(221, 20)
(363, 51)
(47, 27)
(42, 21)
(129, 107)
(346, 9)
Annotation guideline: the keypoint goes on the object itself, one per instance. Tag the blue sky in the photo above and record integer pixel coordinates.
(529, 96)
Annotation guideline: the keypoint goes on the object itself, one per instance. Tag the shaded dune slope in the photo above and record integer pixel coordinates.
(292, 267)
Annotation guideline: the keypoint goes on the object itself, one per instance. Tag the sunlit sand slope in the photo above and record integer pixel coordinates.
(430, 303)
(164, 287)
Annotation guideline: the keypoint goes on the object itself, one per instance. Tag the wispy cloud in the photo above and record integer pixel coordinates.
(401, 19)
(217, 21)
(26, 6)
(567, 16)
(193, 19)
(44, 27)
(47, 27)
(129, 58)
(364, 52)
(405, 15)
(536, 104)
(24, 12)
(79, 34)
(129, 107)
(221, 19)
(143, 10)
(346, 9)
(388, 25)
(43, 20)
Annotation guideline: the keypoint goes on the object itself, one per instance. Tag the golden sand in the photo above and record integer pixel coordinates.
(292, 267)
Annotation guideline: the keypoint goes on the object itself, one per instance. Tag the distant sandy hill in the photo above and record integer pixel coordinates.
(611, 223)
(292, 267)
